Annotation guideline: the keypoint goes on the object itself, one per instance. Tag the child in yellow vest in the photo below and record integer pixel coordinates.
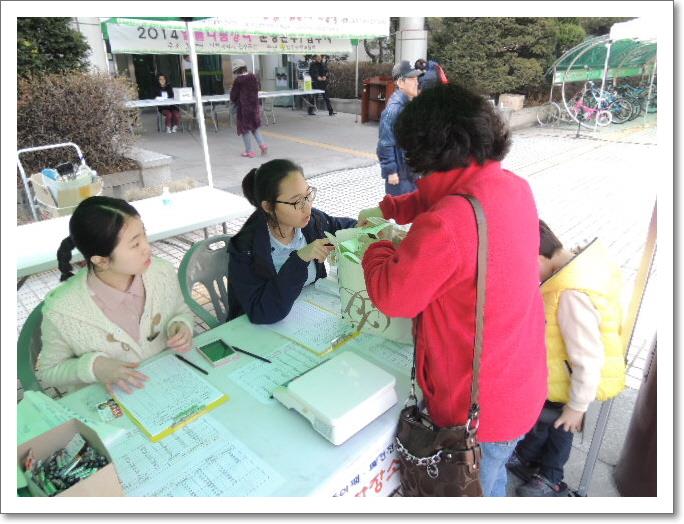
(581, 294)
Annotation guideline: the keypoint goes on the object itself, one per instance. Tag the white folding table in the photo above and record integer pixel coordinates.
(37, 243)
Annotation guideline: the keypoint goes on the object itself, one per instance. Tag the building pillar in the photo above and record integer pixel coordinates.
(90, 28)
(267, 65)
(411, 39)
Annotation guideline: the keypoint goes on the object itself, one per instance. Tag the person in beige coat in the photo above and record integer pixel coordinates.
(125, 307)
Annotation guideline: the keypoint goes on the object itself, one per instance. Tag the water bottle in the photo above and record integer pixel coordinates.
(166, 196)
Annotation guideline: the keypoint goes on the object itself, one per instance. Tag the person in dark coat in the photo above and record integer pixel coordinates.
(245, 95)
(171, 113)
(282, 246)
(318, 71)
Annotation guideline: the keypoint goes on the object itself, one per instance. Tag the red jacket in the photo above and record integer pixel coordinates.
(434, 271)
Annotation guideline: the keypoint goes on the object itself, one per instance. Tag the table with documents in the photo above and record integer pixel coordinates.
(252, 445)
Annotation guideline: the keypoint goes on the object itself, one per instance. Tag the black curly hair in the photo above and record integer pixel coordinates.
(448, 127)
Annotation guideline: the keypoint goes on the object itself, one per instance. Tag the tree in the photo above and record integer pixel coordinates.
(49, 45)
(494, 55)
(381, 50)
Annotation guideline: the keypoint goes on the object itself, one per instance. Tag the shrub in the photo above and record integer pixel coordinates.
(341, 80)
(49, 45)
(86, 109)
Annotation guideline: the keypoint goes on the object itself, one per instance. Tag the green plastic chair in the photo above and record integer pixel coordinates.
(29, 345)
(206, 262)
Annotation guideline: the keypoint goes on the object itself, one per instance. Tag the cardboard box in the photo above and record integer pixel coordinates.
(510, 101)
(182, 93)
(63, 198)
(103, 483)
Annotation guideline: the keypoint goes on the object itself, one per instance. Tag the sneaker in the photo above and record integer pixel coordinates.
(174, 129)
(168, 129)
(332, 113)
(312, 112)
(264, 149)
(521, 468)
(540, 486)
(248, 154)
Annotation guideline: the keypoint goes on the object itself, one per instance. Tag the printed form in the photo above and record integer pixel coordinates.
(174, 393)
(313, 327)
(259, 379)
(203, 459)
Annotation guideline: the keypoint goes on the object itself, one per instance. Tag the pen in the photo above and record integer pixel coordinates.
(250, 354)
(191, 364)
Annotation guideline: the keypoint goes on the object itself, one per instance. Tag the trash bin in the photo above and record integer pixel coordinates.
(636, 470)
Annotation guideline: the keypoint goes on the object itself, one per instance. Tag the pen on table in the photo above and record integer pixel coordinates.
(191, 364)
(250, 354)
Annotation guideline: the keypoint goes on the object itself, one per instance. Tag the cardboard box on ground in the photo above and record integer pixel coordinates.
(102, 483)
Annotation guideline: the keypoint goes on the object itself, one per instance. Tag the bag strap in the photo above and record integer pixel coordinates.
(482, 250)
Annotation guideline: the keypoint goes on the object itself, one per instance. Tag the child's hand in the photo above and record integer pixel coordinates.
(112, 372)
(570, 420)
(181, 338)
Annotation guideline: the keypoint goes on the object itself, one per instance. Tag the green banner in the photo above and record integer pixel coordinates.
(579, 75)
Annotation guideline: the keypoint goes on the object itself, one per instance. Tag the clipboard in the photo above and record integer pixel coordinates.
(175, 396)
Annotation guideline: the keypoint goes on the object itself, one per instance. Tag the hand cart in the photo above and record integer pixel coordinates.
(34, 198)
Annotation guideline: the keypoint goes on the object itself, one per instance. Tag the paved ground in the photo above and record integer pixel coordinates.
(594, 185)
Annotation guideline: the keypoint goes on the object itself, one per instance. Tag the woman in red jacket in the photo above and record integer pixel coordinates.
(455, 140)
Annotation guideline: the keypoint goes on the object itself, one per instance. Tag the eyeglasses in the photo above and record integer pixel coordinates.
(299, 204)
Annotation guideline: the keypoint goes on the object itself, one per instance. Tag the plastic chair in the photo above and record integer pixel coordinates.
(268, 107)
(29, 345)
(207, 264)
(217, 109)
(189, 117)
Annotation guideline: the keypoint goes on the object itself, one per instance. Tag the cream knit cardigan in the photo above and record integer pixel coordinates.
(75, 331)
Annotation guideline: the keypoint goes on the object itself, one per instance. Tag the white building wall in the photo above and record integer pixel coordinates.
(90, 29)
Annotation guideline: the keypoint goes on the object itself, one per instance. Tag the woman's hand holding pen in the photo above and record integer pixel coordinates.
(318, 250)
(112, 372)
(180, 339)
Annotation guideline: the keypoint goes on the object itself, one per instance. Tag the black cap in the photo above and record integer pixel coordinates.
(404, 69)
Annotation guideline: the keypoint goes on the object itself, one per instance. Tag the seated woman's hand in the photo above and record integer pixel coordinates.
(112, 372)
(181, 338)
(365, 214)
(318, 250)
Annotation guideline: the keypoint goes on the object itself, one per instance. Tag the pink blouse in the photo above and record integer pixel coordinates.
(124, 308)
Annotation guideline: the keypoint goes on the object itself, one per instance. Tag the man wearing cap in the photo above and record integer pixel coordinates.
(399, 178)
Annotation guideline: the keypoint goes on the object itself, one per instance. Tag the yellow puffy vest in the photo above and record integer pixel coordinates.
(594, 273)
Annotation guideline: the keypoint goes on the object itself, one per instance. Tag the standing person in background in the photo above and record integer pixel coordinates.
(245, 96)
(171, 113)
(318, 71)
(434, 74)
(399, 178)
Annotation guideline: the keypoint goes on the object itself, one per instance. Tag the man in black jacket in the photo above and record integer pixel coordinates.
(318, 72)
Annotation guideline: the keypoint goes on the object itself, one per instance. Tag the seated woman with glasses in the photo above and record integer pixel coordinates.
(282, 246)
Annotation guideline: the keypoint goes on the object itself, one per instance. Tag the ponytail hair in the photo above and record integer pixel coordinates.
(94, 229)
(263, 184)
(248, 187)
(64, 258)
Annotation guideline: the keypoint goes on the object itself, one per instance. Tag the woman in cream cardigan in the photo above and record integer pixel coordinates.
(125, 307)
